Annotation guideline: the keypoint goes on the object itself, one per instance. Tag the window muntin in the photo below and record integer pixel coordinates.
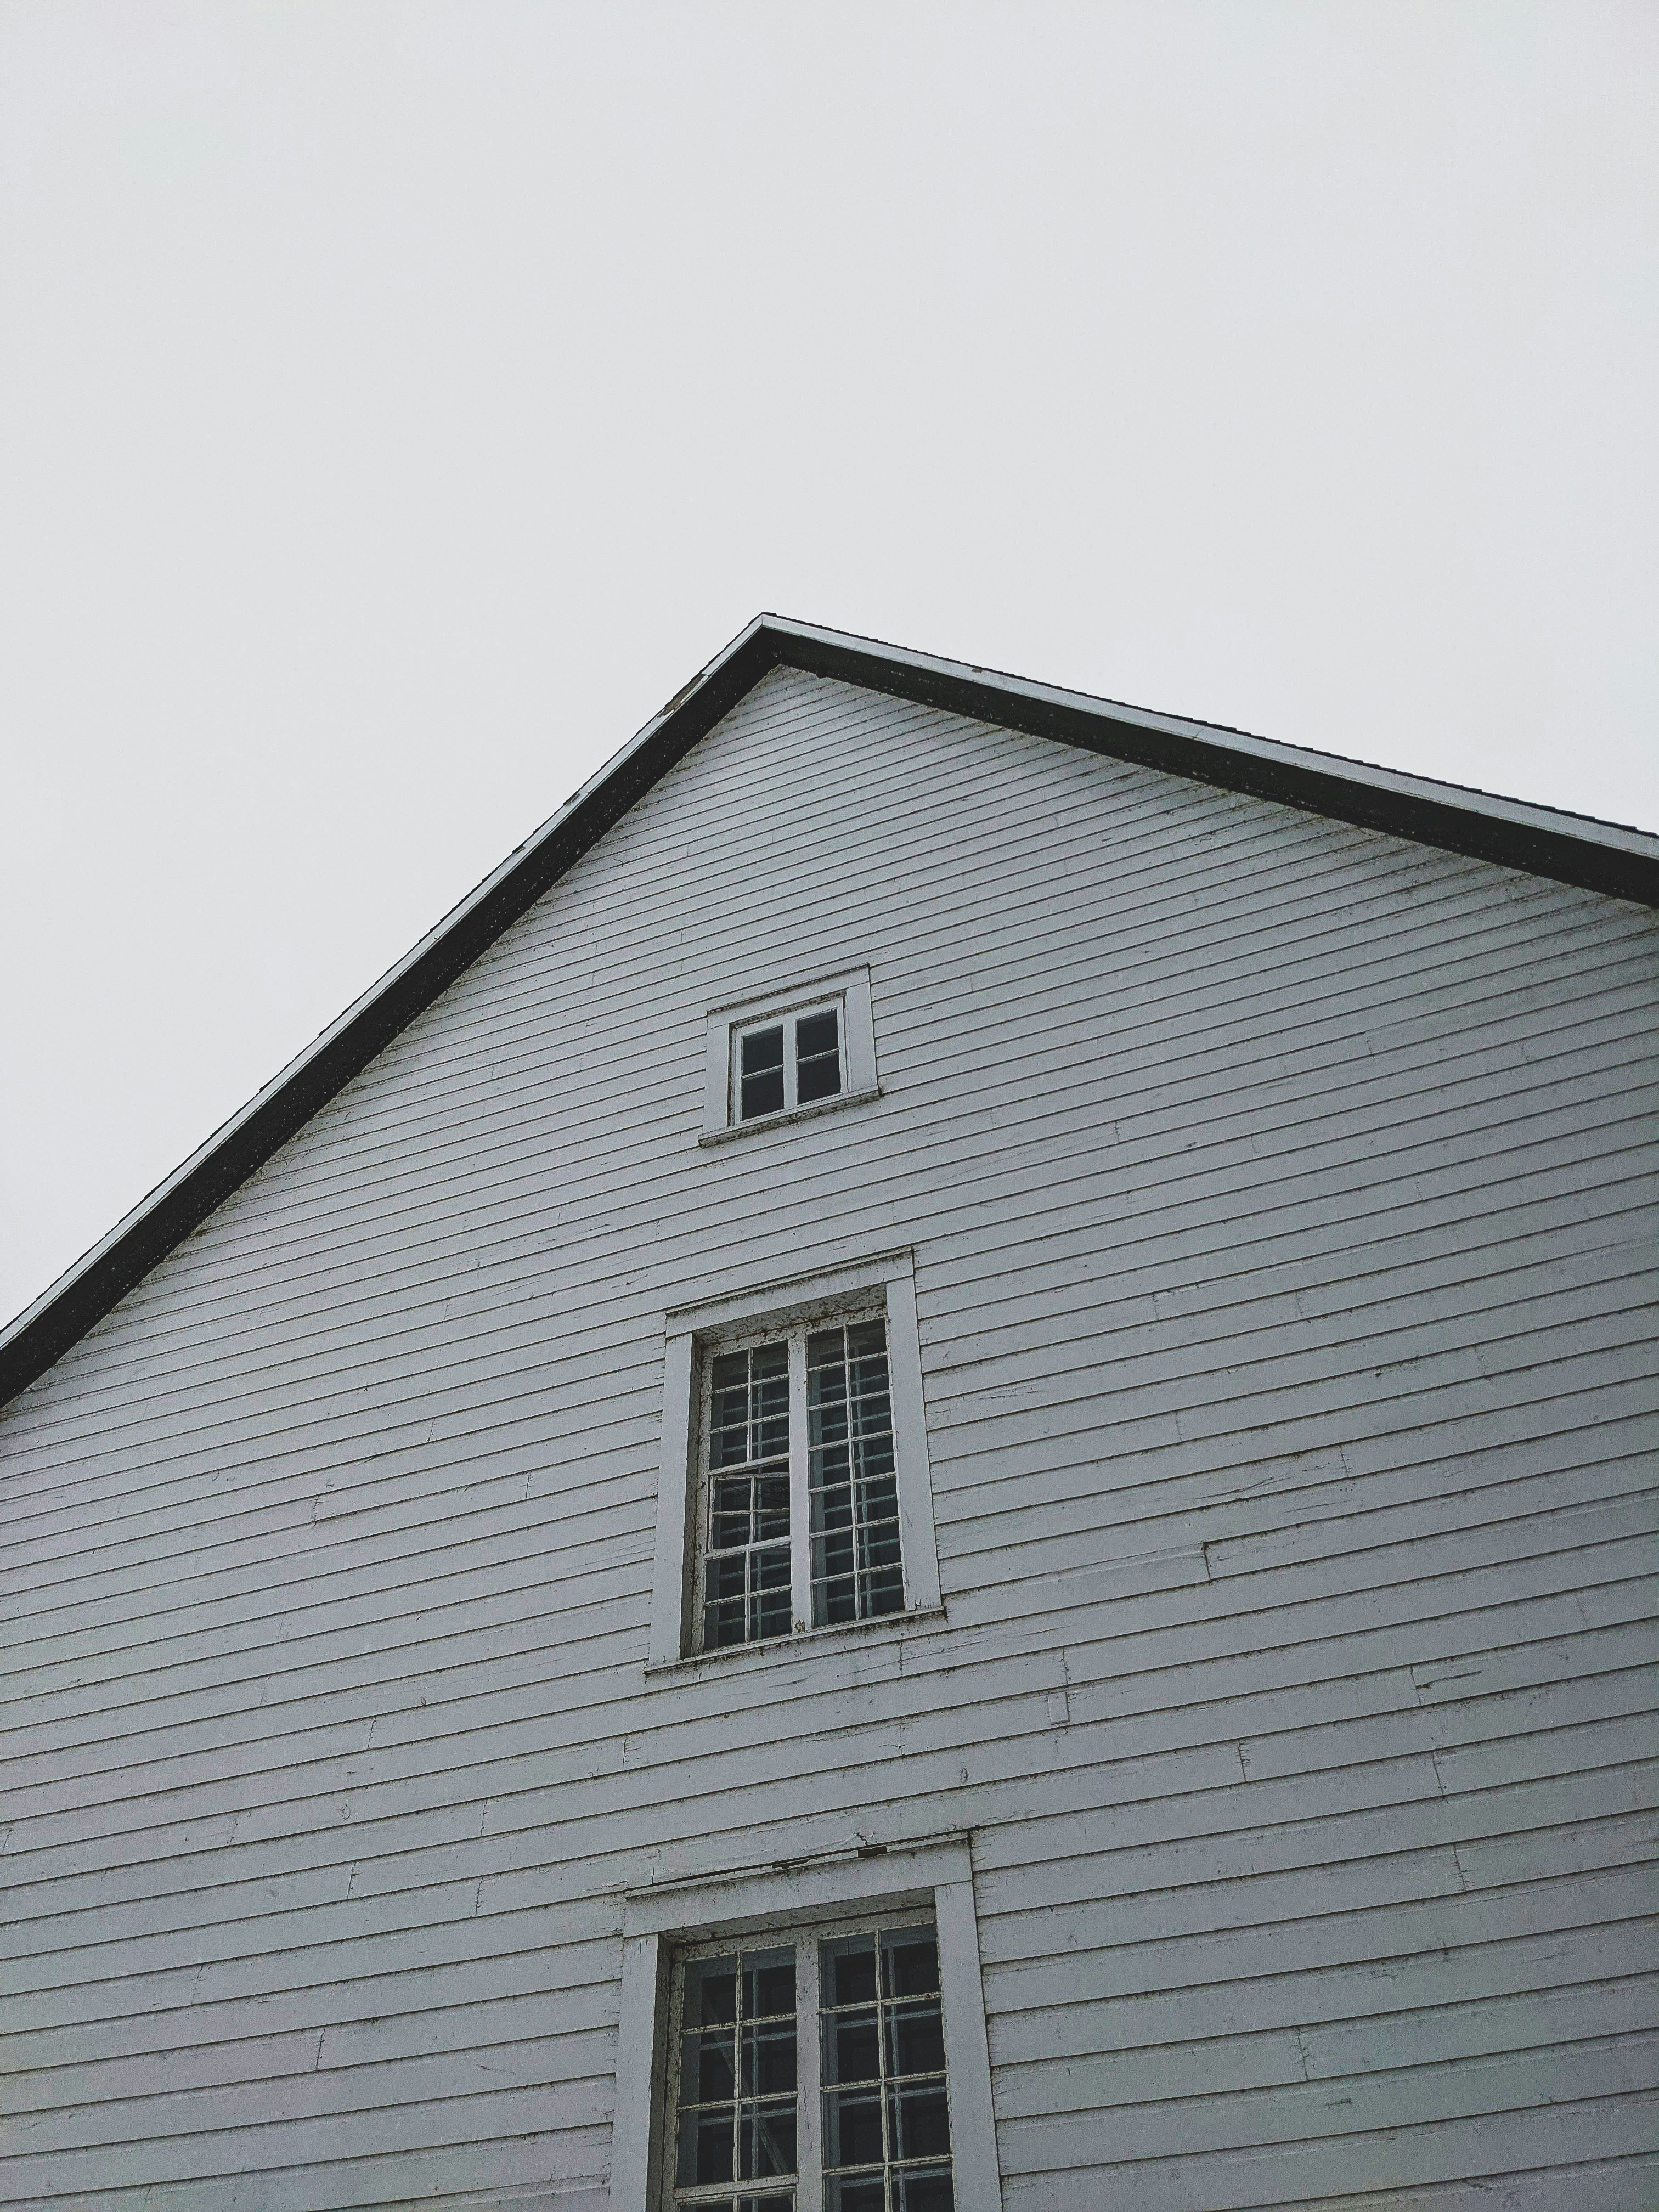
(856, 1569)
(852, 2022)
(791, 1061)
(886, 2120)
(736, 2113)
(746, 1591)
(798, 1441)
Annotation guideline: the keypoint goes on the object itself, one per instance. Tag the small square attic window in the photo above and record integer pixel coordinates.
(781, 1064)
(790, 1054)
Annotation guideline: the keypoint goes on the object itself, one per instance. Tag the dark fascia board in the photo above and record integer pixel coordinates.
(1596, 856)
(80, 1298)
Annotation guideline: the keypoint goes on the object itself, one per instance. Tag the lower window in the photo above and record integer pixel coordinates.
(814, 2062)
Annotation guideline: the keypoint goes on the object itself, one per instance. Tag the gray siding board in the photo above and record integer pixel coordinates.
(1231, 1880)
(1288, 1723)
(1528, 2020)
(1096, 1680)
(1278, 1193)
(1386, 1995)
(1163, 1695)
(1228, 1633)
(1241, 1534)
(1558, 2177)
(1217, 2115)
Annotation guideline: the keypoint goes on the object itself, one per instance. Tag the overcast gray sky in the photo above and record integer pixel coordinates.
(399, 400)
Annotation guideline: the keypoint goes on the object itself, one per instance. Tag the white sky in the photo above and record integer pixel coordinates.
(399, 400)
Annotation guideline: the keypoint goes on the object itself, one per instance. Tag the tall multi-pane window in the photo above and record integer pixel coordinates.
(815, 2061)
(799, 1518)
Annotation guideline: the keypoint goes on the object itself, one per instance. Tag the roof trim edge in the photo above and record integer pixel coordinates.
(1575, 849)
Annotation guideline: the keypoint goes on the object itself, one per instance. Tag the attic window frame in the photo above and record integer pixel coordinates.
(847, 994)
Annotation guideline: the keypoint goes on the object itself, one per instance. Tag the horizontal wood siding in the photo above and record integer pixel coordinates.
(1282, 1198)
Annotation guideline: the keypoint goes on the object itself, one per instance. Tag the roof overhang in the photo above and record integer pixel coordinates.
(1597, 856)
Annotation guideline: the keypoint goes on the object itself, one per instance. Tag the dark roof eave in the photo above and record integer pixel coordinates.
(1593, 855)
(1573, 849)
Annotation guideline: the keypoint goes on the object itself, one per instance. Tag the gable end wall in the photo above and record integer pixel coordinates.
(1281, 1196)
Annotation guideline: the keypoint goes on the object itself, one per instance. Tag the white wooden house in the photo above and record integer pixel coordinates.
(922, 1475)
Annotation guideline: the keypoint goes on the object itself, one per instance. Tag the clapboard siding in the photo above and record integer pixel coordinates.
(1281, 1196)
(1631, 1058)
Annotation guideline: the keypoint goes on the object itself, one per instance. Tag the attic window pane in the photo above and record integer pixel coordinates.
(817, 1056)
(763, 1072)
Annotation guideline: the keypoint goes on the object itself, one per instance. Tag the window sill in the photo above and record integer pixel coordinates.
(723, 1136)
(662, 1672)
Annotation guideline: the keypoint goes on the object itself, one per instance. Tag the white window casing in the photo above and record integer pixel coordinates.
(884, 1285)
(817, 1896)
(846, 994)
